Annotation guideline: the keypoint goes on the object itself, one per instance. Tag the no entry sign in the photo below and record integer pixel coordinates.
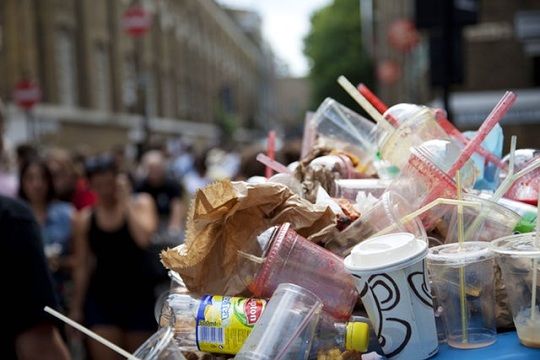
(136, 21)
(26, 94)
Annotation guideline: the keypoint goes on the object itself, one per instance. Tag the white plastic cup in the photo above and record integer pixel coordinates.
(392, 280)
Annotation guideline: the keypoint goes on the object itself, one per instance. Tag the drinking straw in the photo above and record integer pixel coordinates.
(439, 201)
(377, 103)
(90, 333)
(510, 180)
(535, 265)
(493, 118)
(362, 101)
(503, 187)
(463, 304)
(451, 130)
(270, 151)
(272, 164)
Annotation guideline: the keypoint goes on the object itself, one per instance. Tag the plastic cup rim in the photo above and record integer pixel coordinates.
(525, 253)
(468, 258)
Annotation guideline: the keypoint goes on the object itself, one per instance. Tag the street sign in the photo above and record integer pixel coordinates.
(136, 21)
(26, 94)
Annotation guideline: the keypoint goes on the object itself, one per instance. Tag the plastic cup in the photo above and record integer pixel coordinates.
(342, 128)
(517, 255)
(391, 278)
(463, 281)
(417, 124)
(488, 222)
(349, 188)
(160, 346)
(386, 212)
(291, 258)
(286, 327)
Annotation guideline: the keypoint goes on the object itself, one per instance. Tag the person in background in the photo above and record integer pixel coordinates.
(54, 217)
(113, 283)
(165, 191)
(8, 176)
(196, 178)
(69, 184)
(28, 332)
(25, 152)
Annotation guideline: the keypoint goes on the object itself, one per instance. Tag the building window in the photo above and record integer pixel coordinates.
(66, 68)
(129, 84)
(103, 77)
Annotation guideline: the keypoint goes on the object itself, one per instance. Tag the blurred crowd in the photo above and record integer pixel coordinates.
(102, 219)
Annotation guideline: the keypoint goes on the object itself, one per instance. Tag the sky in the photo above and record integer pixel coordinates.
(285, 23)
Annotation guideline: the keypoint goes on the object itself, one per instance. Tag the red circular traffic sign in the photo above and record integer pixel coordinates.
(27, 93)
(136, 21)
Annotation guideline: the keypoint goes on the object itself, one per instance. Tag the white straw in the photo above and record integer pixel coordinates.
(90, 333)
(363, 102)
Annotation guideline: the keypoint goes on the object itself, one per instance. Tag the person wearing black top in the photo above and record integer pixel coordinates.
(28, 332)
(114, 293)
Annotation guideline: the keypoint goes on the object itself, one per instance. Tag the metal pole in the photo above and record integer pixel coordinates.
(29, 125)
(142, 83)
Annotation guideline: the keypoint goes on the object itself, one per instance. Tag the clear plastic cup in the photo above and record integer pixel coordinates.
(392, 280)
(349, 188)
(291, 258)
(286, 328)
(341, 128)
(519, 260)
(160, 346)
(386, 212)
(417, 124)
(488, 222)
(469, 310)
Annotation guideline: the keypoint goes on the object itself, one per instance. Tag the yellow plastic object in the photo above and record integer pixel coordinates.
(357, 337)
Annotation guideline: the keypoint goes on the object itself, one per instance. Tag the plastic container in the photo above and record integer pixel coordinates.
(291, 258)
(386, 212)
(488, 222)
(159, 346)
(468, 310)
(341, 128)
(518, 258)
(349, 188)
(417, 124)
(391, 278)
(339, 164)
(286, 328)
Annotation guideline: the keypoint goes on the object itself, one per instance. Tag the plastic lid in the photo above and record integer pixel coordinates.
(357, 337)
(517, 245)
(392, 252)
(454, 254)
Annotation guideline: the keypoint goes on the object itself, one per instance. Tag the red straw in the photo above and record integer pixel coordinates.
(270, 151)
(451, 130)
(493, 118)
(377, 103)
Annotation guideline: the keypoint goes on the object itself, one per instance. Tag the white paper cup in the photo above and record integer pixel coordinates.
(392, 280)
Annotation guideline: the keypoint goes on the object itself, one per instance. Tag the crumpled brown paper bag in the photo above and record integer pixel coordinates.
(226, 217)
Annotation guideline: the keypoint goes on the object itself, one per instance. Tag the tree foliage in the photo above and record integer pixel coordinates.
(334, 47)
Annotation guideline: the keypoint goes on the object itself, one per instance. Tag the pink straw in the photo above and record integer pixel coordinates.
(270, 151)
(272, 164)
(493, 118)
(309, 135)
(451, 130)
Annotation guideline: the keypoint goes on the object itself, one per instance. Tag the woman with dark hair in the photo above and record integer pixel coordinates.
(54, 217)
(114, 284)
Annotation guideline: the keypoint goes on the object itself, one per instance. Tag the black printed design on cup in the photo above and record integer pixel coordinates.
(420, 289)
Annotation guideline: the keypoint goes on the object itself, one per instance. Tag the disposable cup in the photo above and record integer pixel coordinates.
(340, 127)
(160, 346)
(290, 258)
(417, 124)
(386, 212)
(286, 328)
(519, 260)
(349, 188)
(392, 280)
(463, 281)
